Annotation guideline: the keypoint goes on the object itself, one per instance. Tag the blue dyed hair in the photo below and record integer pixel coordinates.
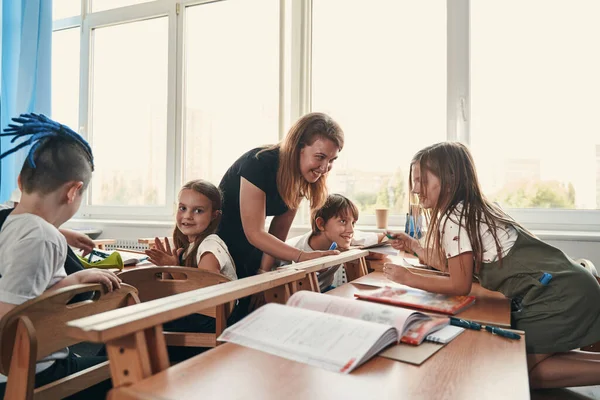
(57, 154)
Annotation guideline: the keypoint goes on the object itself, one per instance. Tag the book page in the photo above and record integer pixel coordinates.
(399, 318)
(328, 341)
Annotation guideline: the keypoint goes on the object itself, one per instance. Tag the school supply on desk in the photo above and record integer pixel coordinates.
(494, 330)
(333, 246)
(445, 335)
(383, 247)
(327, 331)
(415, 298)
(106, 261)
(128, 258)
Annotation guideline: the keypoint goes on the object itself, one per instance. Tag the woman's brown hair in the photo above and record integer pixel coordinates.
(291, 184)
(453, 164)
(179, 239)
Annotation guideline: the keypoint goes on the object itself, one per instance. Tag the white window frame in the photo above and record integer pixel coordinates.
(294, 99)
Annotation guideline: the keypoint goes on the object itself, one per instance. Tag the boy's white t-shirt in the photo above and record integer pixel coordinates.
(215, 245)
(326, 276)
(32, 259)
(456, 241)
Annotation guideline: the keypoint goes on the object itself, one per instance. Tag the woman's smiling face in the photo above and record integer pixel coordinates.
(317, 159)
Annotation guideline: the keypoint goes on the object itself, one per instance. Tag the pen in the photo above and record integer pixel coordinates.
(494, 330)
(333, 246)
(463, 323)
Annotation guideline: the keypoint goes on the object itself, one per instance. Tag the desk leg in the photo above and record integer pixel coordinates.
(279, 294)
(157, 349)
(309, 282)
(129, 359)
(356, 269)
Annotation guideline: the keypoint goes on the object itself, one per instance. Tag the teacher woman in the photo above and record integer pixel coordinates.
(271, 181)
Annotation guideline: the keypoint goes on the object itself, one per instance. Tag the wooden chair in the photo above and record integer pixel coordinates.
(354, 261)
(36, 328)
(159, 282)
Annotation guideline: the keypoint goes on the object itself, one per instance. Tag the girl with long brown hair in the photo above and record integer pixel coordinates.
(554, 299)
(196, 244)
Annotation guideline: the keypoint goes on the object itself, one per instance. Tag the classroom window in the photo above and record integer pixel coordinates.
(128, 113)
(65, 8)
(102, 5)
(65, 77)
(231, 91)
(381, 74)
(534, 102)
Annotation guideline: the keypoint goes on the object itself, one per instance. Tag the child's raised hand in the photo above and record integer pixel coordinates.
(163, 255)
(397, 273)
(401, 241)
(94, 275)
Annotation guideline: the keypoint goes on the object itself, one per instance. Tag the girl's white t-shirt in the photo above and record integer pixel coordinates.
(456, 241)
(215, 245)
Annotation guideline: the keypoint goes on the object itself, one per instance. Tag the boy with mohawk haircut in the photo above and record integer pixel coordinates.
(53, 178)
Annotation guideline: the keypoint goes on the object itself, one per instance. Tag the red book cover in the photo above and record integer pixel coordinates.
(421, 329)
(420, 299)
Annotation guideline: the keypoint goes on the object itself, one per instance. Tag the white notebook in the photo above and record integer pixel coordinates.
(445, 335)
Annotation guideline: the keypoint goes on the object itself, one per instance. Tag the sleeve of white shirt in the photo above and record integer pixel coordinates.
(30, 270)
(454, 238)
(364, 238)
(213, 246)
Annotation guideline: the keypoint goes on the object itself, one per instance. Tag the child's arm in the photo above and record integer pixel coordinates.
(403, 242)
(78, 240)
(92, 275)
(458, 283)
(209, 262)
(5, 308)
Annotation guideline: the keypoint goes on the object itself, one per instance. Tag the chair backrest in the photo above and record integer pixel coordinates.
(158, 282)
(49, 313)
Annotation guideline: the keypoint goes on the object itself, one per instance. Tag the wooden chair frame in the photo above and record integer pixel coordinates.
(134, 339)
(353, 260)
(158, 282)
(36, 328)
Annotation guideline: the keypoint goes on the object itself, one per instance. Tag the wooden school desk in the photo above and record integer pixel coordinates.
(474, 365)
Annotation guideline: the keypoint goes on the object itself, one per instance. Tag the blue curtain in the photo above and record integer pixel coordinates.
(26, 40)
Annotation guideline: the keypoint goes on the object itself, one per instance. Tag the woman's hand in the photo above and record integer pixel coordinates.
(78, 240)
(401, 241)
(163, 255)
(397, 273)
(311, 255)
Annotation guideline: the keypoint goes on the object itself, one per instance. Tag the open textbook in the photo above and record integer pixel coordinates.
(331, 332)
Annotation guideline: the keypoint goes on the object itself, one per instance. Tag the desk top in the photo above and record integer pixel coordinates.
(474, 365)
(489, 308)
